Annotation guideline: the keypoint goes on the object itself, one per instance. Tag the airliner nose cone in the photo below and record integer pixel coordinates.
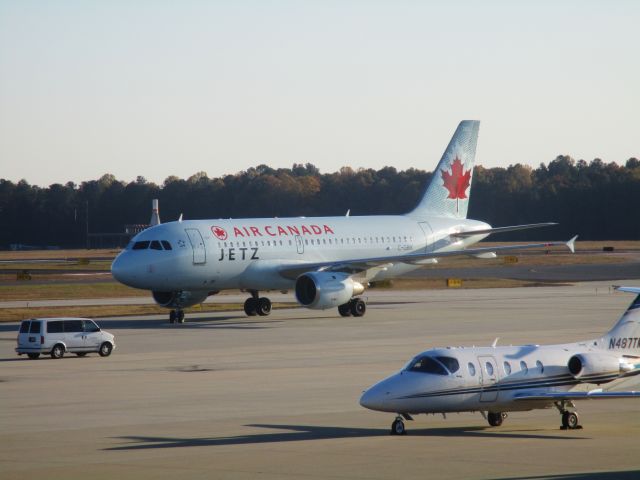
(121, 270)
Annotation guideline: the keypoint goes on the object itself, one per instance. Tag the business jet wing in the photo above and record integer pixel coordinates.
(598, 394)
(357, 265)
(513, 228)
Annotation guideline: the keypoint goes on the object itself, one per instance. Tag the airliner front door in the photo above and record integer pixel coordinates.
(197, 244)
(488, 379)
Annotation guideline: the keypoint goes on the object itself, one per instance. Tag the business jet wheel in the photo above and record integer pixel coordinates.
(358, 307)
(251, 307)
(345, 310)
(180, 316)
(397, 427)
(264, 306)
(570, 420)
(495, 419)
(172, 316)
(57, 351)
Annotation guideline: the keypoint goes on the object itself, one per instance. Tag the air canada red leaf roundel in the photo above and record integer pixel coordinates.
(456, 182)
(219, 232)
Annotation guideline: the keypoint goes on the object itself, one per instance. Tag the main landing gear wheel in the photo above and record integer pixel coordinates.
(397, 427)
(264, 306)
(251, 307)
(495, 419)
(345, 309)
(358, 307)
(570, 421)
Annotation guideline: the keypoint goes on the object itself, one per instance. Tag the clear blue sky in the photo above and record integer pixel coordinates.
(159, 88)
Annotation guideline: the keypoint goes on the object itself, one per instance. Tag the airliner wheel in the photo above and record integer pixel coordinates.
(264, 306)
(358, 307)
(250, 307)
(345, 310)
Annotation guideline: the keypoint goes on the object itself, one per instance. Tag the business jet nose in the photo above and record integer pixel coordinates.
(375, 397)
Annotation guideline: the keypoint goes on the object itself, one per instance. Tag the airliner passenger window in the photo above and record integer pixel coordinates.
(451, 363)
(167, 245)
(427, 365)
(155, 245)
(141, 245)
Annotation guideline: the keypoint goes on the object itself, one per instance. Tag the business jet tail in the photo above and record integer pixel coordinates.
(625, 334)
(447, 195)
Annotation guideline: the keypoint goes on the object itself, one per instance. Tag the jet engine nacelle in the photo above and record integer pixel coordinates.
(584, 366)
(321, 290)
(180, 299)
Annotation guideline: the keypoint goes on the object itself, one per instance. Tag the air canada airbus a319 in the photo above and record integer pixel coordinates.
(327, 261)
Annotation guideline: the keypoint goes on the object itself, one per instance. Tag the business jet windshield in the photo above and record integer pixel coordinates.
(435, 365)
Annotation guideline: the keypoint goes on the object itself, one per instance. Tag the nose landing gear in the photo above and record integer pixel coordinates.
(176, 316)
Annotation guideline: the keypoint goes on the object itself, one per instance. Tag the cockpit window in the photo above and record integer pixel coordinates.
(155, 245)
(451, 363)
(166, 245)
(427, 365)
(141, 245)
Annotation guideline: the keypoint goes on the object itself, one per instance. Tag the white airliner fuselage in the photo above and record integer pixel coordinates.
(515, 378)
(327, 261)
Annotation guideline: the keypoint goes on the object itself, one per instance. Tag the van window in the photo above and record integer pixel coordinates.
(24, 326)
(73, 326)
(55, 327)
(90, 326)
(35, 326)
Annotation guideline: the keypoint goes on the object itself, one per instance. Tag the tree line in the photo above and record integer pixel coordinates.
(594, 199)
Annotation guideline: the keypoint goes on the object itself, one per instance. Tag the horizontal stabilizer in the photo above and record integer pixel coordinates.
(489, 231)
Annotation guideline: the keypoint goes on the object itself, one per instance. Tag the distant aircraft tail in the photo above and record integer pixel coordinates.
(624, 337)
(447, 195)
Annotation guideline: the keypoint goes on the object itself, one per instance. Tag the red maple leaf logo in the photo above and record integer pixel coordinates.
(219, 232)
(456, 182)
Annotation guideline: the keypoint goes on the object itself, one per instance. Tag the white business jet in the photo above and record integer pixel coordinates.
(494, 380)
(327, 261)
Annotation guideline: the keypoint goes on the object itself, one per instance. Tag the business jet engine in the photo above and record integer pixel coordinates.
(595, 367)
(180, 299)
(322, 290)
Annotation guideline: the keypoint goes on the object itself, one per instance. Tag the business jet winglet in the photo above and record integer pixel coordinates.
(326, 261)
(495, 380)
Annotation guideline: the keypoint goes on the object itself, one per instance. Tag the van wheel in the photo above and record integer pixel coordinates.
(81, 354)
(57, 351)
(33, 356)
(105, 349)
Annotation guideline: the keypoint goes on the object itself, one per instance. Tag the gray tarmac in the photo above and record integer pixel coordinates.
(226, 396)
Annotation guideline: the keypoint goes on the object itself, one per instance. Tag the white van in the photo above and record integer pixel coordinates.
(56, 336)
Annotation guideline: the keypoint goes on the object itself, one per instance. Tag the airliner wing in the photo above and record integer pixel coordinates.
(360, 264)
(592, 395)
